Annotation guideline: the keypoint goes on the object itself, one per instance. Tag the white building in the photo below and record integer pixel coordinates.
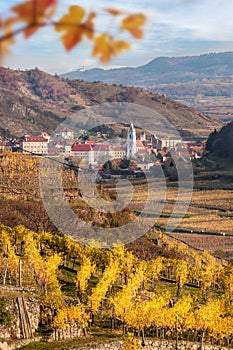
(67, 134)
(170, 142)
(35, 144)
(101, 152)
(83, 151)
(117, 152)
(131, 142)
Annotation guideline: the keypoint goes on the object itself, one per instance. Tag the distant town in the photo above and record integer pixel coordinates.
(143, 150)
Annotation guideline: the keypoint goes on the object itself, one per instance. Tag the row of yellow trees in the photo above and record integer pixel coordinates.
(127, 291)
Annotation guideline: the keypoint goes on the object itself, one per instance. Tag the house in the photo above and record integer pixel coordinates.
(34, 144)
(6, 145)
(170, 142)
(117, 152)
(101, 152)
(67, 133)
(139, 146)
(83, 151)
(68, 146)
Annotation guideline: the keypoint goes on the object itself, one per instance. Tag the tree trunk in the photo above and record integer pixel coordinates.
(178, 289)
(202, 340)
(143, 336)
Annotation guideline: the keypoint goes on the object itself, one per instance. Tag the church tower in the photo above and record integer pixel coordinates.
(131, 142)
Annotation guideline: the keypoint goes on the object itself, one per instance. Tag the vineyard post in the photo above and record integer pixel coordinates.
(20, 271)
(177, 332)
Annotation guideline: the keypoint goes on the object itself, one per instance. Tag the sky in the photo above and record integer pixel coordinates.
(174, 28)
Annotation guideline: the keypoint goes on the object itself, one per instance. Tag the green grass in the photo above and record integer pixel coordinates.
(67, 280)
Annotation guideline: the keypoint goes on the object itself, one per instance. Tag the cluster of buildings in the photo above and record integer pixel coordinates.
(95, 152)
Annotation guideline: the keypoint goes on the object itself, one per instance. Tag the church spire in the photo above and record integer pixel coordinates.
(131, 142)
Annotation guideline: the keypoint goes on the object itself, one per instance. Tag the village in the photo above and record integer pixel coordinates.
(136, 151)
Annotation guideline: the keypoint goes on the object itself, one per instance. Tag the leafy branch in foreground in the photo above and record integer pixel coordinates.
(75, 26)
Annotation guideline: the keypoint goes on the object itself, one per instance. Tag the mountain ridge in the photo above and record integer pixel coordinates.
(181, 68)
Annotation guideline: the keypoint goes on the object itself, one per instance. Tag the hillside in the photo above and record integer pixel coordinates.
(220, 144)
(204, 82)
(32, 101)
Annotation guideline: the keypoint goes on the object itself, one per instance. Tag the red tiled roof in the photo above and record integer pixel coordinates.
(35, 139)
(139, 143)
(100, 147)
(118, 149)
(81, 148)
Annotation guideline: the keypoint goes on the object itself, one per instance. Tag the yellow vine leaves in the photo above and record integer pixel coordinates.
(133, 24)
(34, 14)
(75, 25)
(105, 47)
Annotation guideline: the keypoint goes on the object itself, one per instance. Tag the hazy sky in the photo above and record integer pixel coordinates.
(174, 28)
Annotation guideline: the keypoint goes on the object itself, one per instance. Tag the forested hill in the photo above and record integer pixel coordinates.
(33, 101)
(220, 144)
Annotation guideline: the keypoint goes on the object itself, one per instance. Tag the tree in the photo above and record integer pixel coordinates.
(105, 283)
(180, 316)
(74, 26)
(210, 140)
(207, 318)
(182, 270)
(69, 316)
(208, 273)
(83, 276)
(154, 269)
(44, 270)
(122, 301)
(9, 261)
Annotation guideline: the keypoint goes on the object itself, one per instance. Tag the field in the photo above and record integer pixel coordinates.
(193, 215)
(205, 223)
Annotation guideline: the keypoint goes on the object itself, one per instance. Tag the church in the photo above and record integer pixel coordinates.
(131, 142)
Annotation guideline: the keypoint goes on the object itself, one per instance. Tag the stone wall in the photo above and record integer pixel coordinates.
(12, 330)
(118, 345)
(151, 345)
(71, 332)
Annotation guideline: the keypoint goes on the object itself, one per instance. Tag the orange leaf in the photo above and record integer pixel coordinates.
(8, 33)
(120, 46)
(105, 47)
(74, 27)
(133, 23)
(33, 12)
(112, 11)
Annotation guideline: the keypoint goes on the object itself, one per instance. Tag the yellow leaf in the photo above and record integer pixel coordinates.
(121, 45)
(8, 34)
(105, 47)
(74, 28)
(133, 24)
(112, 11)
(34, 12)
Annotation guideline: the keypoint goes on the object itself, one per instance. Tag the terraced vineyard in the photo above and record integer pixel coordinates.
(207, 224)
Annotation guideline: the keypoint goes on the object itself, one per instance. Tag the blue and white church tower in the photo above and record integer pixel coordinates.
(131, 142)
